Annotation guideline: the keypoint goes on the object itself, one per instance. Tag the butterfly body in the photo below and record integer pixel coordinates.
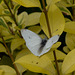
(36, 44)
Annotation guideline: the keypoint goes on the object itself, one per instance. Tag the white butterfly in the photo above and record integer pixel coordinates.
(36, 44)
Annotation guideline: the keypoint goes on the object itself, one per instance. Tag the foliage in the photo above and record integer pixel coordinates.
(15, 57)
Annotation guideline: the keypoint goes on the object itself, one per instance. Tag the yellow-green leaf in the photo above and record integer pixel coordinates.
(23, 19)
(29, 3)
(33, 18)
(7, 70)
(70, 27)
(56, 21)
(2, 48)
(70, 40)
(35, 29)
(67, 20)
(65, 3)
(20, 68)
(1, 72)
(1, 9)
(4, 31)
(56, 45)
(66, 49)
(7, 38)
(60, 55)
(16, 43)
(68, 65)
(36, 64)
(49, 1)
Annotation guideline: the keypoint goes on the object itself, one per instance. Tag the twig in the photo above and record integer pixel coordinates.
(48, 25)
(11, 12)
(10, 56)
(46, 16)
(13, 16)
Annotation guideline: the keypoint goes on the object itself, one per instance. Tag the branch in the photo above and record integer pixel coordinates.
(49, 29)
(10, 56)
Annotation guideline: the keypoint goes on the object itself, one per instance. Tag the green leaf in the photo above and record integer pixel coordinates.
(70, 27)
(2, 22)
(70, 41)
(0, 1)
(29, 3)
(6, 61)
(68, 65)
(16, 43)
(7, 70)
(55, 22)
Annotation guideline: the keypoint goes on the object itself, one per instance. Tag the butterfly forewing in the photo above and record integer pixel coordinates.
(30, 37)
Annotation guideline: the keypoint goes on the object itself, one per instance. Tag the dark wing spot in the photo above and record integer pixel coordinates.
(29, 37)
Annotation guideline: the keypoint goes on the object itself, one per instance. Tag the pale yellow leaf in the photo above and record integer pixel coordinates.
(36, 64)
(7, 70)
(70, 40)
(29, 3)
(70, 27)
(68, 65)
(33, 18)
(56, 21)
(35, 29)
(16, 43)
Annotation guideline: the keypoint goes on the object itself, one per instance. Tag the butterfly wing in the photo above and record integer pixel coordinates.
(33, 41)
(49, 44)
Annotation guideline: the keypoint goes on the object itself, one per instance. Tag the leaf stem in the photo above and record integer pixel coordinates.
(48, 25)
(10, 56)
